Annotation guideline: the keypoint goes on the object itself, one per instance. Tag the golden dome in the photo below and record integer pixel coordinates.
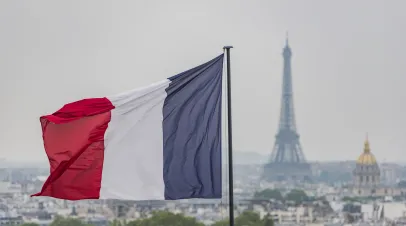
(366, 158)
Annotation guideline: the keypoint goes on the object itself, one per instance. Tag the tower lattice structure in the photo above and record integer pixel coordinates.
(287, 160)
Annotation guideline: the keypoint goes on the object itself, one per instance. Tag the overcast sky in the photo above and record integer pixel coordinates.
(348, 65)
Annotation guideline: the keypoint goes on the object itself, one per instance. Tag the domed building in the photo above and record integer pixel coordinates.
(366, 173)
(367, 176)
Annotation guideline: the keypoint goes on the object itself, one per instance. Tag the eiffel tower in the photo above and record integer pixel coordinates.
(287, 162)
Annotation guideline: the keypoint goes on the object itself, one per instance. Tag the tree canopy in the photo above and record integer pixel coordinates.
(60, 221)
(269, 194)
(248, 218)
(166, 218)
(297, 196)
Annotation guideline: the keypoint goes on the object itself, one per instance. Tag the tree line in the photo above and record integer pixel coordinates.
(296, 196)
(164, 218)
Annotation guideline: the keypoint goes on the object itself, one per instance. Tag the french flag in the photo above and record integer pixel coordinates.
(160, 142)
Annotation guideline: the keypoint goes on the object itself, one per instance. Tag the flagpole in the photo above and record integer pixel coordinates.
(230, 140)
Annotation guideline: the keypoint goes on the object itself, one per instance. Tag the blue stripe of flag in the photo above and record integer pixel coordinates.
(192, 133)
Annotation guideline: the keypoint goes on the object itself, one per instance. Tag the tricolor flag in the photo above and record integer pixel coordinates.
(157, 142)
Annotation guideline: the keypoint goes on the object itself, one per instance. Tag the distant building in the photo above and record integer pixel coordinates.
(367, 176)
(389, 174)
(16, 220)
(367, 173)
(8, 189)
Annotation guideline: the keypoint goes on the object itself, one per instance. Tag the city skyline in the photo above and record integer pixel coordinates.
(347, 70)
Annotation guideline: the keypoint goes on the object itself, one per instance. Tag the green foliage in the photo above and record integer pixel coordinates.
(29, 224)
(221, 223)
(269, 194)
(360, 199)
(60, 221)
(248, 218)
(116, 223)
(268, 220)
(164, 218)
(297, 196)
(350, 199)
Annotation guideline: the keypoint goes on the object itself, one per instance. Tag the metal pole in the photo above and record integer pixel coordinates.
(230, 139)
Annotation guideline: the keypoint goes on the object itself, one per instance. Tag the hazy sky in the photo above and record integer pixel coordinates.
(348, 65)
